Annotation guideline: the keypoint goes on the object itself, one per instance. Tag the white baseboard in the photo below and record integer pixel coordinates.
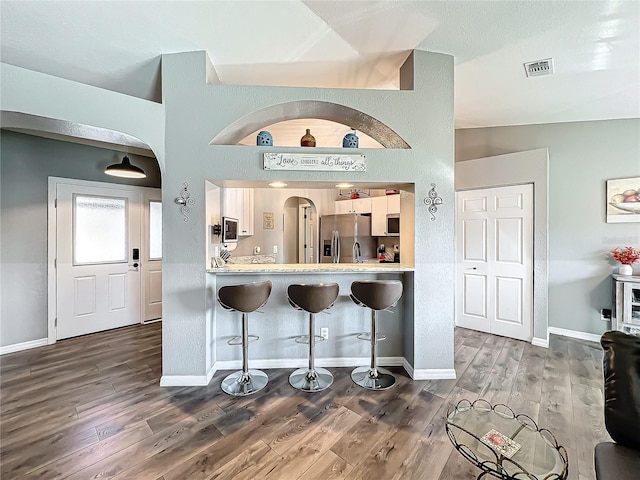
(591, 337)
(540, 342)
(17, 347)
(187, 380)
(429, 373)
(267, 363)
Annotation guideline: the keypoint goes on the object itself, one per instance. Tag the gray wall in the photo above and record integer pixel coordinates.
(26, 162)
(582, 156)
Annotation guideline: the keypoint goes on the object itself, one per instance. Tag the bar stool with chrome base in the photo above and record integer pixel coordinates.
(244, 298)
(313, 299)
(376, 295)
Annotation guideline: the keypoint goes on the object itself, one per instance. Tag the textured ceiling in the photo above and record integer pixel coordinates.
(356, 44)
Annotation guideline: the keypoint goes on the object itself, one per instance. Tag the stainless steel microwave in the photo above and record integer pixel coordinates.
(393, 225)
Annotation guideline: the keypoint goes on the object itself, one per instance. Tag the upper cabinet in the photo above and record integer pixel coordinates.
(380, 208)
(357, 205)
(393, 204)
(238, 203)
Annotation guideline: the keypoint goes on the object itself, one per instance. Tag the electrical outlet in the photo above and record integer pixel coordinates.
(256, 250)
(605, 314)
(324, 332)
(275, 249)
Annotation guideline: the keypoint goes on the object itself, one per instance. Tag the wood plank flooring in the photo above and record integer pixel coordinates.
(91, 407)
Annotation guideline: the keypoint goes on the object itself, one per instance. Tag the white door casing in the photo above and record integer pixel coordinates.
(85, 294)
(151, 263)
(494, 269)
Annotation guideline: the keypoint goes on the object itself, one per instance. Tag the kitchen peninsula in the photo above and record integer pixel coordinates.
(280, 324)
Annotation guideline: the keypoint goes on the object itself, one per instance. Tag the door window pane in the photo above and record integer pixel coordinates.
(155, 230)
(100, 229)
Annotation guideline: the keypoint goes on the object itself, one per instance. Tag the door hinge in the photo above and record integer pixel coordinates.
(55, 203)
(56, 321)
(55, 263)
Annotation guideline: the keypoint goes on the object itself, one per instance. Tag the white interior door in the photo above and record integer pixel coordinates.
(306, 234)
(98, 282)
(494, 270)
(151, 255)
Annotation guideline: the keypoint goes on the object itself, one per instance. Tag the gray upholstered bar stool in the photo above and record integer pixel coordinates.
(313, 299)
(376, 295)
(244, 298)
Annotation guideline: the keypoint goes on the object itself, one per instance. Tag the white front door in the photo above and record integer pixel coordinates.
(151, 263)
(98, 280)
(494, 269)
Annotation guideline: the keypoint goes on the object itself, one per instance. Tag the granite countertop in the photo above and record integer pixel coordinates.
(312, 268)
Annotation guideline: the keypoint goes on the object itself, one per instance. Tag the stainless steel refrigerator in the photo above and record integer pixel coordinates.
(346, 238)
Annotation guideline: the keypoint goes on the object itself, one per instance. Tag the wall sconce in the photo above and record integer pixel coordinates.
(185, 199)
(433, 200)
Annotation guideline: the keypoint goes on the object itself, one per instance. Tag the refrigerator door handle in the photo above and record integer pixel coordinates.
(333, 246)
(357, 253)
(337, 260)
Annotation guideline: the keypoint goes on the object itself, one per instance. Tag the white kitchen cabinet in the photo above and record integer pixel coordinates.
(626, 306)
(378, 216)
(393, 204)
(357, 205)
(380, 208)
(343, 206)
(238, 203)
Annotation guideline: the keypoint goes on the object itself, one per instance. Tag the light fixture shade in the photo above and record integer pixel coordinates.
(125, 170)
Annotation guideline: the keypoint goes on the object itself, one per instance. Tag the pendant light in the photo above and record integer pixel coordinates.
(125, 169)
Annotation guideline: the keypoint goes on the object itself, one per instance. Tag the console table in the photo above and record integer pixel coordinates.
(626, 303)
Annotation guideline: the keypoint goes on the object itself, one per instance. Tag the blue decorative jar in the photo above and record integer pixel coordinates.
(350, 140)
(264, 139)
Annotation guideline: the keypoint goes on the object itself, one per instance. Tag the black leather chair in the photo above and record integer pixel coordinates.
(621, 368)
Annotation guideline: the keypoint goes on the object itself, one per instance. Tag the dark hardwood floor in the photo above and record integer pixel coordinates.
(92, 407)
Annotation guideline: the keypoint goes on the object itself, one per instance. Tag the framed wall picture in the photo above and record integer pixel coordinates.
(267, 220)
(623, 200)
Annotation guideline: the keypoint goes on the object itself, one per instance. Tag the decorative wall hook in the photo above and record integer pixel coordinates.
(185, 199)
(433, 200)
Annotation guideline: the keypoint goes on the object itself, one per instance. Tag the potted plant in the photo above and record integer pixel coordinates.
(626, 256)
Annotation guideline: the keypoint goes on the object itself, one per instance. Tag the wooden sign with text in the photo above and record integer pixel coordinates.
(315, 162)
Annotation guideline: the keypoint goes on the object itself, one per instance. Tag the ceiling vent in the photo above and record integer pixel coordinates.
(539, 67)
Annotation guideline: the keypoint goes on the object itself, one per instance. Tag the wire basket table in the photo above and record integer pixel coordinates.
(503, 444)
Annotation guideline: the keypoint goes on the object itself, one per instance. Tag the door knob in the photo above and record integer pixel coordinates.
(135, 265)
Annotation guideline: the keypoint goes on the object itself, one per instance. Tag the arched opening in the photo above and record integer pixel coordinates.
(310, 109)
(72, 155)
(300, 243)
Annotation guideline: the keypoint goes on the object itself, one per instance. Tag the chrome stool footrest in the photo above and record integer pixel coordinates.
(238, 340)
(367, 336)
(305, 339)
